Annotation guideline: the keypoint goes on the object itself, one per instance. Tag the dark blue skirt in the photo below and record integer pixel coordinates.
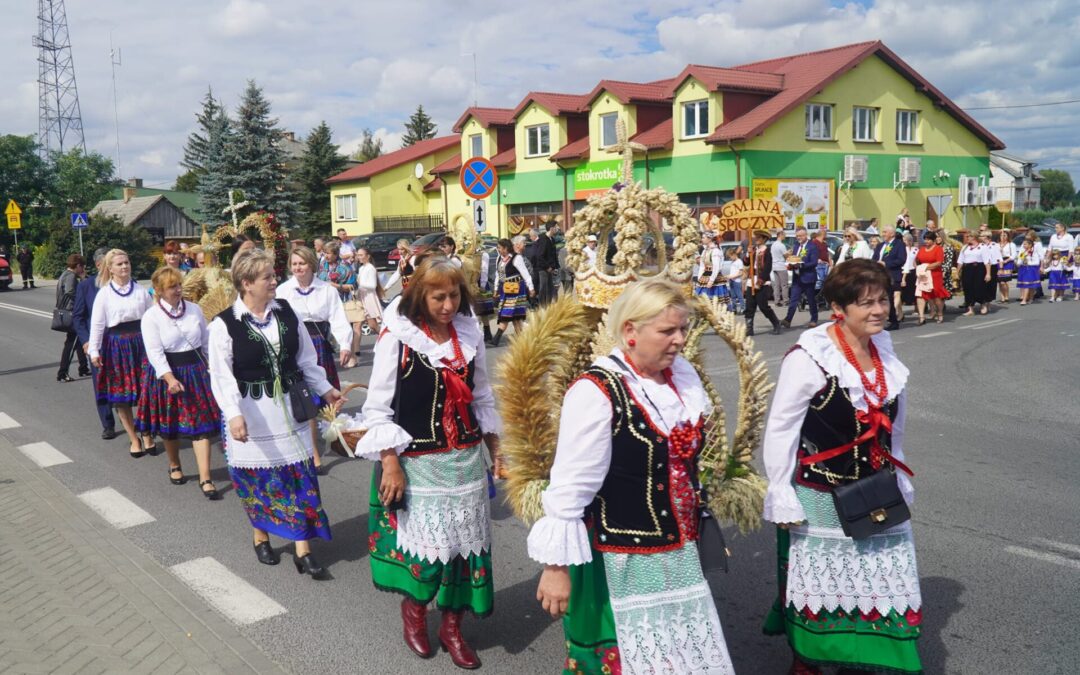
(123, 366)
(283, 500)
(193, 412)
(1029, 276)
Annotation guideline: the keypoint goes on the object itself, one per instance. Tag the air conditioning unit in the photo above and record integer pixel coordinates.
(855, 168)
(910, 169)
(969, 191)
(986, 195)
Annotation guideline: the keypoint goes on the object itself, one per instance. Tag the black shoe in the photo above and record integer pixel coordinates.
(177, 481)
(893, 326)
(84, 372)
(497, 338)
(265, 553)
(63, 377)
(152, 450)
(212, 494)
(108, 434)
(786, 323)
(750, 329)
(776, 329)
(306, 565)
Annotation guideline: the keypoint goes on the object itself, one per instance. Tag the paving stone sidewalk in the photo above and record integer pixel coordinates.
(77, 597)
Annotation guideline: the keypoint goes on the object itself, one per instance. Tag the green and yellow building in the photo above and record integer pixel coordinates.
(841, 135)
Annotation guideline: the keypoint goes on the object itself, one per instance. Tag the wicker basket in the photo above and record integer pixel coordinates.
(352, 436)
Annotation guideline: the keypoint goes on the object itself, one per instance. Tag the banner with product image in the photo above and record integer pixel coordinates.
(805, 202)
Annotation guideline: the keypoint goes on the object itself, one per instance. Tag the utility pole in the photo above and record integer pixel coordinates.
(114, 58)
(60, 124)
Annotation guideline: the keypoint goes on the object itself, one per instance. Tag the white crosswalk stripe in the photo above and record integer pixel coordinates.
(114, 507)
(44, 454)
(7, 422)
(238, 600)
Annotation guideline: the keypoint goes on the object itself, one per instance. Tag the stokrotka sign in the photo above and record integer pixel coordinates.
(740, 215)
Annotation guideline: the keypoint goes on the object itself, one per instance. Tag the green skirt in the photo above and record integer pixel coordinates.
(589, 625)
(852, 638)
(458, 585)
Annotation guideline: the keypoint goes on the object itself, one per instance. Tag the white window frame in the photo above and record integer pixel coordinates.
(825, 114)
(870, 125)
(606, 142)
(910, 123)
(345, 207)
(476, 145)
(699, 112)
(540, 131)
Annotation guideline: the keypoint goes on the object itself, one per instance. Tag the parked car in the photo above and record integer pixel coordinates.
(5, 274)
(381, 245)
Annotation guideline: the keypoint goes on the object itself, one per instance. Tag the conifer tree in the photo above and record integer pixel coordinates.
(320, 161)
(370, 147)
(256, 158)
(195, 150)
(218, 177)
(419, 127)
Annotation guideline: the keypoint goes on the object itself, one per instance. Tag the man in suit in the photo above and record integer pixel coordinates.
(85, 293)
(892, 253)
(803, 277)
(759, 283)
(547, 263)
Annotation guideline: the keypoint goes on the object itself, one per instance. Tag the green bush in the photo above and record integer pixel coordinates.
(107, 232)
(1065, 214)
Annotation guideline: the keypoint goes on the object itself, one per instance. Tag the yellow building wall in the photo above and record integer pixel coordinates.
(363, 222)
(488, 136)
(693, 90)
(533, 116)
(604, 104)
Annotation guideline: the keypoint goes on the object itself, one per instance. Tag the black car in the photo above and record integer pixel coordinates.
(380, 244)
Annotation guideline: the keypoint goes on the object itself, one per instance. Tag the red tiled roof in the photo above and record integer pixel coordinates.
(505, 159)
(633, 92)
(396, 158)
(554, 103)
(452, 165)
(728, 78)
(804, 75)
(485, 116)
(579, 149)
(434, 185)
(658, 137)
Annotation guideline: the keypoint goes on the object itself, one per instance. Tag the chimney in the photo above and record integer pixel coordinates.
(129, 192)
(134, 182)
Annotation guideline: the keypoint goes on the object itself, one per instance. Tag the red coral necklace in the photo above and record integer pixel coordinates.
(879, 387)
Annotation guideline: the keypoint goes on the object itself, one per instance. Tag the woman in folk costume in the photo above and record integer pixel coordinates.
(974, 274)
(176, 398)
(406, 265)
(261, 357)
(116, 344)
(318, 305)
(1007, 271)
(619, 531)
(428, 407)
(513, 286)
(484, 301)
(709, 266)
(837, 417)
(992, 254)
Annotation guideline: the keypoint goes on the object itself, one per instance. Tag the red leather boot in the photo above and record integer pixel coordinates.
(414, 620)
(800, 668)
(452, 641)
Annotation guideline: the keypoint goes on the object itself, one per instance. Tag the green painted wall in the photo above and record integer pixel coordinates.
(881, 167)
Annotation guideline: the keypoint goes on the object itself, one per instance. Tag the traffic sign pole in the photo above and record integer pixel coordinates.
(80, 244)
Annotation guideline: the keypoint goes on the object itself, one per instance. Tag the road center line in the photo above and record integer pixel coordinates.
(983, 324)
(1044, 557)
(6, 422)
(43, 454)
(238, 600)
(937, 334)
(114, 507)
(1059, 545)
(994, 325)
(25, 310)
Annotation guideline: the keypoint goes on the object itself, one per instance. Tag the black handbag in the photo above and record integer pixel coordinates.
(62, 321)
(870, 505)
(302, 401)
(712, 550)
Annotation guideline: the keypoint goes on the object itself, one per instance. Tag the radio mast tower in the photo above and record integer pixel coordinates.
(59, 117)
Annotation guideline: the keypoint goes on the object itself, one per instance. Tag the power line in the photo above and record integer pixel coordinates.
(1025, 105)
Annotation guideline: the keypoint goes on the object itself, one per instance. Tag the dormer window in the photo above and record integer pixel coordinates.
(476, 145)
(607, 129)
(695, 119)
(538, 140)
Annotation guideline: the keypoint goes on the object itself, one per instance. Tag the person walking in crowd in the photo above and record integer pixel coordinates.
(1057, 279)
(85, 293)
(448, 247)
(974, 274)
(633, 598)
(824, 261)
(369, 291)
(803, 265)
(317, 245)
(484, 297)
(116, 344)
(335, 272)
(318, 306)
(759, 283)
(893, 255)
(406, 265)
(429, 511)
(25, 258)
(1074, 271)
(854, 246)
(1061, 241)
(175, 398)
(992, 255)
(172, 255)
(1029, 271)
(66, 288)
(710, 262)
(932, 257)
(259, 354)
(1007, 271)
(590, 250)
(735, 278)
(872, 228)
(547, 263)
(848, 602)
(778, 250)
(513, 286)
(907, 276)
(344, 243)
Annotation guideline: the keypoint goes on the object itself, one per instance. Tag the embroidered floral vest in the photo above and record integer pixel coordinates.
(252, 360)
(419, 401)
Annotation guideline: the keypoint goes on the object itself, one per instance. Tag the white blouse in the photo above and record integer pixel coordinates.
(1008, 251)
(484, 269)
(971, 255)
(222, 380)
(583, 453)
(909, 264)
(991, 254)
(322, 304)
(111, 309)
(590, 255)
(164, 333)
(1063, 243)
(1033, 257)
(800, 379)
(716, 259)
(378, 412)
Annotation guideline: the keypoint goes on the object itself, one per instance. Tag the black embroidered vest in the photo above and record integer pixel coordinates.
(832, 421)
(419, 401)
(634, 511)
(252, 359)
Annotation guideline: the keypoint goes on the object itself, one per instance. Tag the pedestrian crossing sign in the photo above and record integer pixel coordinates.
(80, 221)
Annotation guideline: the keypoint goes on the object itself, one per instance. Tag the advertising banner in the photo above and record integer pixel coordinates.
(595, 177)
(745, 215)
(805, 202)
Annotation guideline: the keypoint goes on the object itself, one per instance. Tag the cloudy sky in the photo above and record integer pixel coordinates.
(369, 63)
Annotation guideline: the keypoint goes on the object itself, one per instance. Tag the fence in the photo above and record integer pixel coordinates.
(417, 223)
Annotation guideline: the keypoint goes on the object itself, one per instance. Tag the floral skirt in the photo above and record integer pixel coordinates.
(124, 363)
(462, 583)
(192, 413)
(324, 351)
(283, 500)
(847, 603)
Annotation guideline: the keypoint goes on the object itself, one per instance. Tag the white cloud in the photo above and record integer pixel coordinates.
(244, 17)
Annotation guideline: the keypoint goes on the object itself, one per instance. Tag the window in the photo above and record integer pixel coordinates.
(864, 124)
(537, 140)
(607, 130)
(819, 122)
(476, 145)
(346, 207)
(695, 119)
(907, 126)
